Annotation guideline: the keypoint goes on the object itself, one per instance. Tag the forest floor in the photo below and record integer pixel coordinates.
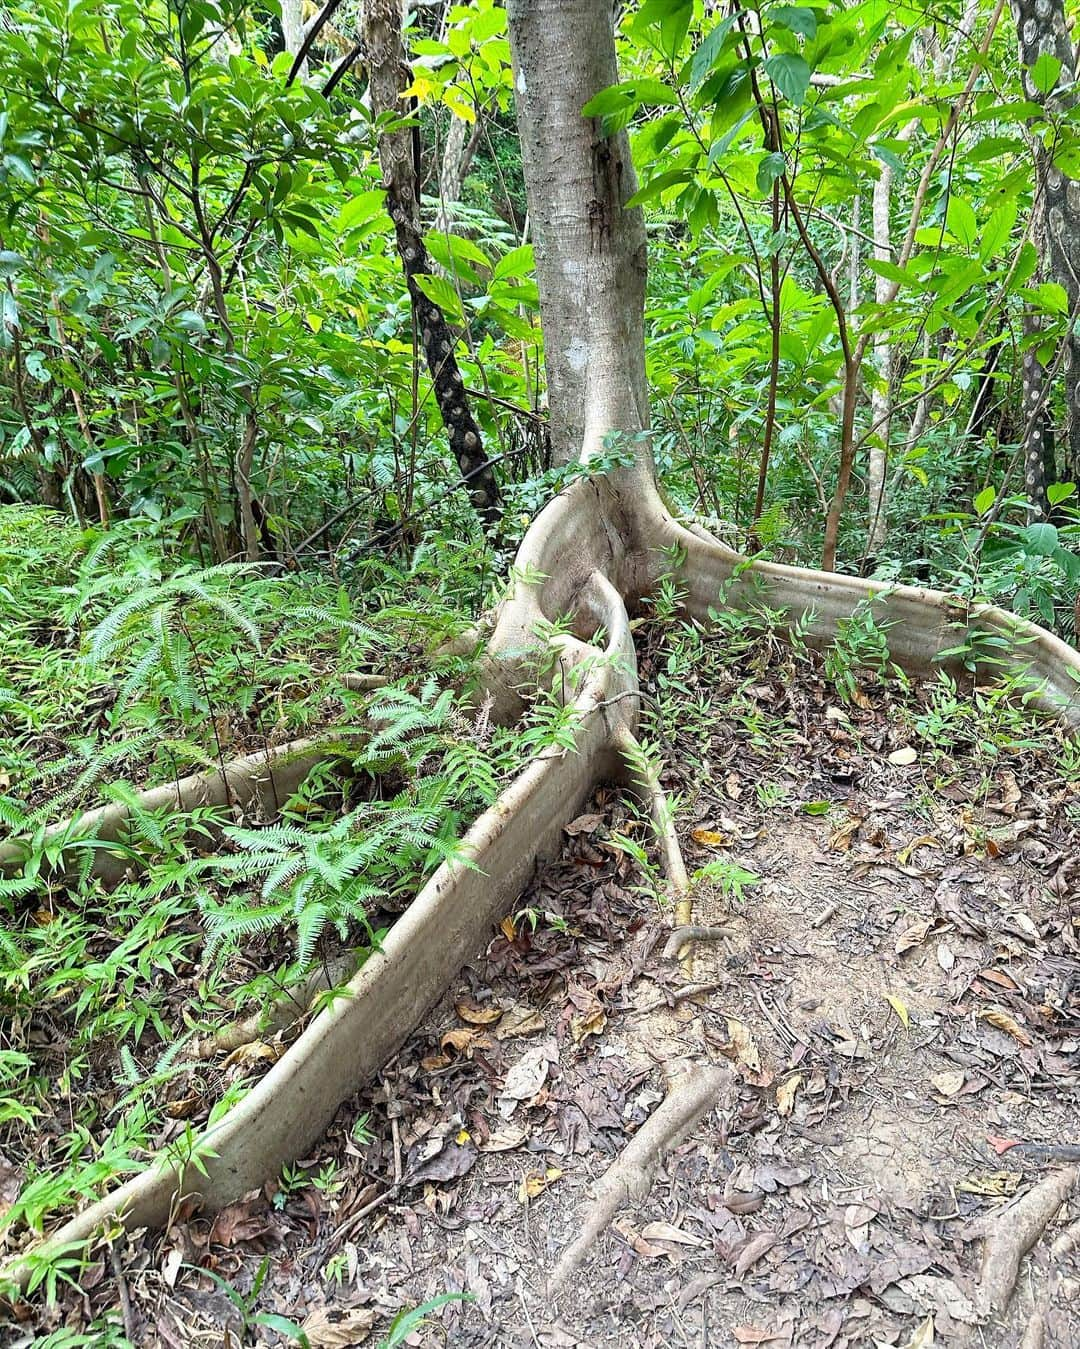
(897, 1005)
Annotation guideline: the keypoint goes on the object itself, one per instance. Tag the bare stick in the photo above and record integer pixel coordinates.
(682, 936)
(647, 783)
(1015, 1229)
(693, 1092)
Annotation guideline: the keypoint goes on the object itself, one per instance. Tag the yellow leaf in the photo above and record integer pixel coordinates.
(785, 1094)
(898, 1007)
(477, 1016)
(459, 103)
(462, 1136)
(746, 1051)
(534, 1183)
(710, 838)
(314, 321)
(508, 929)
(1003, 1021)
(923, 841)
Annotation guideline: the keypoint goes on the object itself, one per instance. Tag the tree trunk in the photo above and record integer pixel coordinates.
(881, 395)
(1042, 31)
(590, 253)
(388, 79)
(591, 555)
(292, 31)
(457, 156)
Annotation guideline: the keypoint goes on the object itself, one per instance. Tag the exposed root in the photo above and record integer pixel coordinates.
(692, 1093)
(288, 1007)
(1035, 1331)
(647, 783)
(255, 786)
(1013, 1230)
(364, 683)
(683, 936)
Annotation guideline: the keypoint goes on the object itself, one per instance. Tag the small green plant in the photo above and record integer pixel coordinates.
(732, 879)
(861, 645)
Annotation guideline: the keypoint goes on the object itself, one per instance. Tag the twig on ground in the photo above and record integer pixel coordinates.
(691, 1093)
(126, 1312)
(682, 936)
(672, 997)
(1012, 1231)
(826, 913)
(663, 822)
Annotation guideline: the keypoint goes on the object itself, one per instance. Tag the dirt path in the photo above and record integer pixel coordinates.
(897, 1006)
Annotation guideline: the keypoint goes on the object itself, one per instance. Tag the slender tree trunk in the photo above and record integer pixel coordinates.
(1042, 30)
(592, 280)
(389, 77)
(292, 31)
(457, 156)
(881, 394)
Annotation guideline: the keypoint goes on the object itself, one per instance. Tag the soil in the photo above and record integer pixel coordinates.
(897, 1006)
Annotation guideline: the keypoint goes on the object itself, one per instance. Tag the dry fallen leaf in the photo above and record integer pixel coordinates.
(476, 1015)
(590, 1021)
(947, 1083)
(752, 1252)
(519, 1020)
(335, 1328)
(462, 1040)
(899, 1008)
(710, 838)
(913, 936)
(903, 757)
(785, 1094)
(923, 1337)
(536, 1182)
(659, 1231)
(923, 841)
(945, 957)
(1003, 1021)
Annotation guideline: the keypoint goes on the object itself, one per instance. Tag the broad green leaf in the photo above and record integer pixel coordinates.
(796, 18)
(961, 221)
(518, 262)
(439, 291)
(984, 500)
(1044, 73)
(770, 168)
(709, 51)
(790, 74)
(1058, 492)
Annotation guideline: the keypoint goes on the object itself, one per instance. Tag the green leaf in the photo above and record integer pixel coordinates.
(1041, 539)
(709, 51)
(796, 18)
(961, 221)
(1058, 492)
(790, 74)
(997, 231)
(655, 186)
(518, 262)
(1044, 73)
(10, 263)
(439, 291)
(770, 168)
(1049, 297)
(984, 500)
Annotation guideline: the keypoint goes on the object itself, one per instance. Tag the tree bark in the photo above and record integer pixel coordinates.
(591, 271)
(881, 394)
(1042, 31)
(389, 77)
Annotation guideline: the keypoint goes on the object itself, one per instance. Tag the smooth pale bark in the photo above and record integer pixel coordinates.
(292, 31)
(590, 254)
(1042, 30)
(881, 394)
